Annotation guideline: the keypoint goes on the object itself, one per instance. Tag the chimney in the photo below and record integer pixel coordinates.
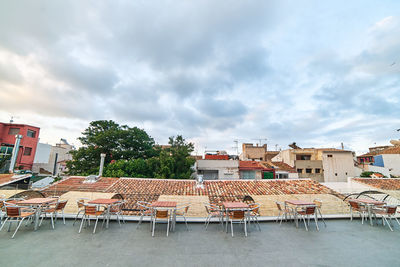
(103, 156)
(14, 156)
(342, 146)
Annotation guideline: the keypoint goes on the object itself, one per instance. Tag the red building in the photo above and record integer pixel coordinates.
(27, 146)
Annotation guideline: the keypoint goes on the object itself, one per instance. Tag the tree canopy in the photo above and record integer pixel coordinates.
(130, 152)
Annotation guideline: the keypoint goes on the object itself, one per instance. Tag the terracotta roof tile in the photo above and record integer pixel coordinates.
(384, 183)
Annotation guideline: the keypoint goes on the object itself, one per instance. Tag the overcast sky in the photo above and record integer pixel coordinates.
(312, 72)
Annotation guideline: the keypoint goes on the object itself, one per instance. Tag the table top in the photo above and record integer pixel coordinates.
(234, 205)
(164, 204)
(103, 201)
(299, 202)
(36, 201)
(369, 201)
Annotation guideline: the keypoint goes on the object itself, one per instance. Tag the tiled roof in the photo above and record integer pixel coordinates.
(9, 178)
(279, 165)
(77, 184)
(134, 189)
(384, 184)
(5, 178)
(250, 165)
(391, 150)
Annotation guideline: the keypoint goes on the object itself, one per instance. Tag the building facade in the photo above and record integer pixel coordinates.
(214, 169)
(27, 146)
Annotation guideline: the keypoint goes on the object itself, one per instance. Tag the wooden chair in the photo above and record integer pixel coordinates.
(116, 209)
(318, 204)
(254, 213)
(307, 212)
(161, 215)
(145, 211)
(81, 207)
(16, 213)
(213, 211)
(387, 212)
(91, 210)
(53, 212)
(357, 207)
(238, 216)
(181, 211)
(284, 211)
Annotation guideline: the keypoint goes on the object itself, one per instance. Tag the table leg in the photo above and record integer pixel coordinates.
(37, 215)
(108, 216)
(370, 214)
(226, 219)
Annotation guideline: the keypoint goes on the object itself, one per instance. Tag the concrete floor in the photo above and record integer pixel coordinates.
(342, 243)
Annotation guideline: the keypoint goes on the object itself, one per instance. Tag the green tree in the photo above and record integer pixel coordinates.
(175, 161)
(116, 141)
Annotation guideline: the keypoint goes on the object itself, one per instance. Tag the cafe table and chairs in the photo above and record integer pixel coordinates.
(36, 204)
(106, 203)
(16, 214)
(370, 204)
(229, 206)
(298, 204)
(166, 205)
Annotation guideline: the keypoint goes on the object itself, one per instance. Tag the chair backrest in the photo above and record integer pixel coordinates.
(13, 211)
(61, 204)
(116, 207)
(255, 208)
(318, 203)
(354, 205)
(310, 210)
(81, 202)
(391, 210)
(90, 209)
(238, 214)
(279, 205)
(143, 205)
(161, 214)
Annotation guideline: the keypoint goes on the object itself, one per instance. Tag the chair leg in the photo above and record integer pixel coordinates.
(52, 220)
(76, 217)
(9, 225)
(232, 227)
(4, 223)
(154, 225)
(316, 222)
(305, 224)
(388, 223)
(18, 227)
(168, 226)
(140, 221)
(63, 216)
(40, 223)
(258, 224)
(80, 228)
(245, 228)
(95, 225)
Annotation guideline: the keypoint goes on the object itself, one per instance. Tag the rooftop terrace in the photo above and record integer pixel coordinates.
(342, 243)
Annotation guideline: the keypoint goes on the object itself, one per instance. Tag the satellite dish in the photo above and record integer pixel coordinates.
(395, 142)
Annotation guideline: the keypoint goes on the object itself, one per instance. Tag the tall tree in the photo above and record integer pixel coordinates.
(175, 161)
(116, 141)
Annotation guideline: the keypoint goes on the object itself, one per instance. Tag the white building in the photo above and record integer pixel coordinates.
(51, 160)
(218, 169)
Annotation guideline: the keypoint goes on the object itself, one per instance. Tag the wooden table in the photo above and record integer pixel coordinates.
(370, 203)
(230, 205)
(298, 202)
(105, 202)
(37, 204)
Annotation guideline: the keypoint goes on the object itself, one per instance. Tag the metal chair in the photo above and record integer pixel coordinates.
(161, 215)
(145, 210)
(81, 207)
(387, 212)
(238, 216)
(254, 213)
(284, 211)
(306, 212)
(213, 211)
(91, 210)
(53, 212)
(318, 204)
(116, 209)
(16, 213)
(181, 211)
(361, 209)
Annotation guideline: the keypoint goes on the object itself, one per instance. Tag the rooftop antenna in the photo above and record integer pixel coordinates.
(276, 147)
(260, 140)
(236, 141)
(12, 118)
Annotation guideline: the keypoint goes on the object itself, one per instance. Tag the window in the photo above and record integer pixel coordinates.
(5, 151)
(303, 157)
(13, 131)
(330, 156)
(317, 170)
(248, 175)
(308, 170)
(299, 170)
(27, 151)
(282, 176)
(31, 133)
(335, 174)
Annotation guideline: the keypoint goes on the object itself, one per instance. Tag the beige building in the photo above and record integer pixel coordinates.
(320, 164)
